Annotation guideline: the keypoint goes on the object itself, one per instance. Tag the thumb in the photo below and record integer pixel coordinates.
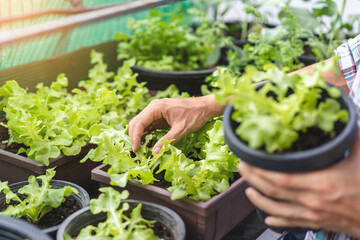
(172, 134)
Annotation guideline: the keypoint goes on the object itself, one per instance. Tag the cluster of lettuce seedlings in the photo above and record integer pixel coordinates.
(36, 199)
(53, 121)
(119, 224)
(274, 116)
(165, 42)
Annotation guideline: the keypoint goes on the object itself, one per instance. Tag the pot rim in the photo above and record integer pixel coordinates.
(26, 229)
(174, 73)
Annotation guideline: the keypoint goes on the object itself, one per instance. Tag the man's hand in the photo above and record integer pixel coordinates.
(325, 199)
(183, 115)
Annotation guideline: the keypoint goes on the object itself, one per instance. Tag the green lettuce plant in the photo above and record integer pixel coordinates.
(118, 225)
(323, 38)
(171, 45)
(54, 121)
(39, 198)
(198, 166)
(273, 116)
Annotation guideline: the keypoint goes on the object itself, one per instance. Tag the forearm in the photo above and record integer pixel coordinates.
(329, 76)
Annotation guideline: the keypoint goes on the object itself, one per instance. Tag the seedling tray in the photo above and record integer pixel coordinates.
(209, 220)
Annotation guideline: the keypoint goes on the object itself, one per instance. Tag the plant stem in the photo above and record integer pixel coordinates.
(342, 8)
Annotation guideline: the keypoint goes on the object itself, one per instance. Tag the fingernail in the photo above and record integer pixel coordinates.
(240, 167)
(156, 150)
(248, 192)
(268, 221)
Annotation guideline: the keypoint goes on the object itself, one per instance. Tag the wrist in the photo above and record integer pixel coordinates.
(213, 108)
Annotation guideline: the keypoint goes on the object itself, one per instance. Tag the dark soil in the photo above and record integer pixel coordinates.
(4, 136)
(161, 231)
(314, 137)
(162, 182)
(56, 216)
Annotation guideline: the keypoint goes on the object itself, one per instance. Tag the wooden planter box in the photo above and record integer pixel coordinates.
(209, 220)
(15, 168)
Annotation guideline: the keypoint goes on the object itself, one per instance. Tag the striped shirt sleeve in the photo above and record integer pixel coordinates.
(349, 53)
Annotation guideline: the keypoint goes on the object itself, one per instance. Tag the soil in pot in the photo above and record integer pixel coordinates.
(4, 137)
(53, 218)
(160, 230)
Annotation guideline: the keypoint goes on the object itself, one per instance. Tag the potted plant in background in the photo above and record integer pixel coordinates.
(321, 38)
(292, 123)
(15, 229)
(111, 215)
(170, 52)
(42, 201)
(281, 47)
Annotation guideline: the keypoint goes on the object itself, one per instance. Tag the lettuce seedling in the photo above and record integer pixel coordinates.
(273, 116)
(39, 198)
(53, 121)
(171, 45)
(118, 225)
(198, 166)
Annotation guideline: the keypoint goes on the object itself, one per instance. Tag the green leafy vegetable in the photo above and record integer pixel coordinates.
(171, 45)
(273, 116)
(52, 121)
(39, 200)
(198, 166)
(118, 225)
(323, 38)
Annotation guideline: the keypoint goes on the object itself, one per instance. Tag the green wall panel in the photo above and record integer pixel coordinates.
(62, 42)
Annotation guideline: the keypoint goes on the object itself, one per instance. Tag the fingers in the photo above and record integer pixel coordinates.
(174, 133)
(294, 213)
(296, 181)
(139, 123)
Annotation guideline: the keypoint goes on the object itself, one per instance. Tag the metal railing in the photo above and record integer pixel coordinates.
(79, 15)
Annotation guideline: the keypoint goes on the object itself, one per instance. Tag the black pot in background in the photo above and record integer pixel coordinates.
(82, 198)
(185, 81)
(308, 60)
(80, 219)
(307, 160)
(18, 229)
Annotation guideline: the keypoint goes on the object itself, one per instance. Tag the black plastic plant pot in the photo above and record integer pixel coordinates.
(82, 198)
(171, 220)
(18, 229)
(308, 60)
(185, 81)
(308, 160)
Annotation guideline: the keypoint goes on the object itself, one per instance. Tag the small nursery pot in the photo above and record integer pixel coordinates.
(308, 160)
(18, 229)
(82, 198)
(80, 219)
(185, 81)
